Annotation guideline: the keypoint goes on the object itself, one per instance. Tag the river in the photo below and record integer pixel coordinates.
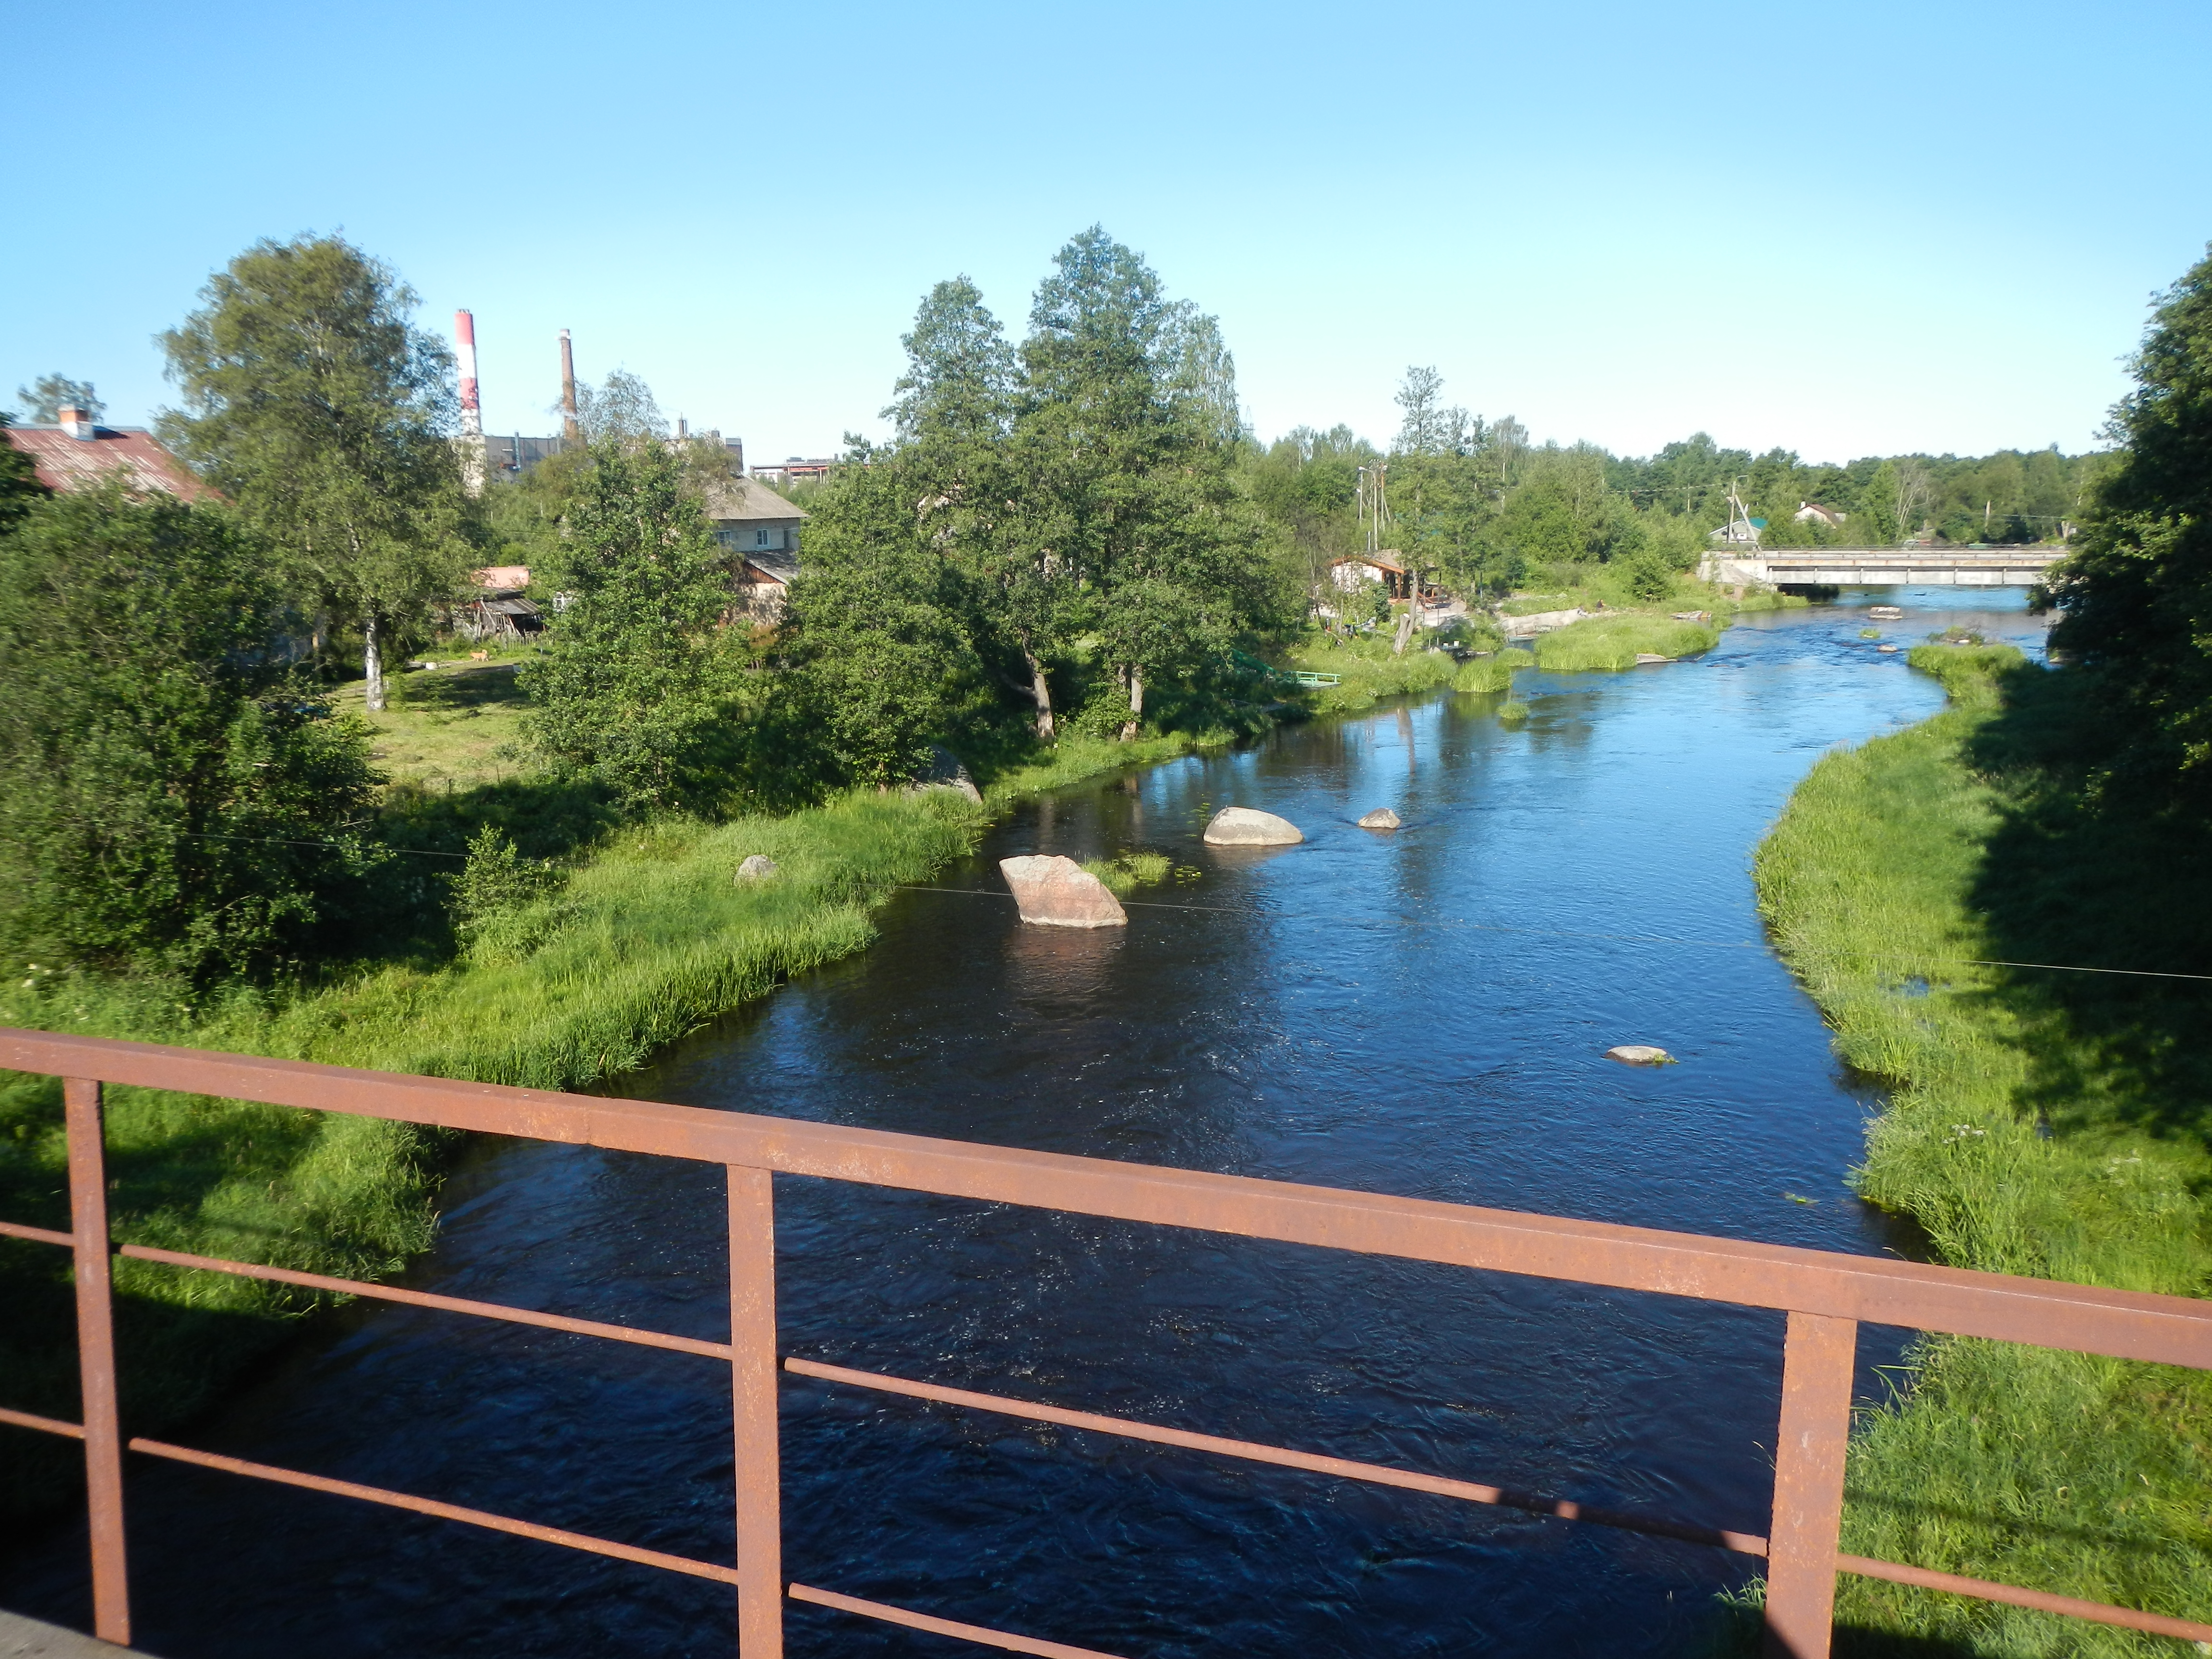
(1423, 1013)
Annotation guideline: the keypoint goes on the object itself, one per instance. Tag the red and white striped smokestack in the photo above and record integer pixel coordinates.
(472, 437)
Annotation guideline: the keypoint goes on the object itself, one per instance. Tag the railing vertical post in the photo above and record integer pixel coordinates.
(1817, 1356)
(95, 1349)
(753, 1389)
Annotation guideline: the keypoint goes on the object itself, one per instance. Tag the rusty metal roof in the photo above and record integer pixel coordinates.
(66, 464)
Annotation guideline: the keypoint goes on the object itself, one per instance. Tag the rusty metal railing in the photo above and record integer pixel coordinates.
(1825, 1296)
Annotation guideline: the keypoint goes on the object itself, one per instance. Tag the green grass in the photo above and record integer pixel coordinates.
(1127, 872)
(1971, 835)
(1614, 642)
(1490, 673)
(1368, 671)
(647, 937)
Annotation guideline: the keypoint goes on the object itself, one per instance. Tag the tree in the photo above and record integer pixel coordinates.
(19, 481)
(881, 622)
(45, 399)
(313, 402)
(1129, 491)
(2135, 597)
(635, 684)
(173, 796)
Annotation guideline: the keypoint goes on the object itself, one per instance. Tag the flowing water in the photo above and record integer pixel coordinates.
(1422, 1013)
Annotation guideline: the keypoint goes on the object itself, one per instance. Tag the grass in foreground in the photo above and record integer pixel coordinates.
(1971, 837)
(647, 938)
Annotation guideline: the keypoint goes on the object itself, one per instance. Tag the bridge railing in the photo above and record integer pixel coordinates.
(1825, 1296)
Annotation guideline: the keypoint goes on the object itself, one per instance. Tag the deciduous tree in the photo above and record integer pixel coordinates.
(313, 402)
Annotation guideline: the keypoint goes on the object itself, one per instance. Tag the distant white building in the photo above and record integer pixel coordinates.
(750, 519)
(1813, 513)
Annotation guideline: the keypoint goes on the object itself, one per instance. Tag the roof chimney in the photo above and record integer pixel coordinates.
(75, 421)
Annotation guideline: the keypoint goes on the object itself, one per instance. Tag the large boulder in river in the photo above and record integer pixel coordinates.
(1639, 1054)
(1058, 892)
(1241, 826)
(1381, 819)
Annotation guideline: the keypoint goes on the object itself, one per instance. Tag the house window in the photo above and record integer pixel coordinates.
(760, 538)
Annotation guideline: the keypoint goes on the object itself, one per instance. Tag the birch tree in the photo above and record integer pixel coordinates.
(313, 402)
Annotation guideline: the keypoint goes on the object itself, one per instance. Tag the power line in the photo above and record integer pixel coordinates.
(1562, 933)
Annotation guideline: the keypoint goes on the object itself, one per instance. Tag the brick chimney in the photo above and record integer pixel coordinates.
(74, 422)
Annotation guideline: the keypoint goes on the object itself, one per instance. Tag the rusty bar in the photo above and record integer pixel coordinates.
(2125, 1324)
(45, 1424)
(36, 1235)
(425, 1299)
(431, 1506)
(95, 1350)
(753, 1410)
(982, 1634)
(1815, 1431)
(2154, 1623)
(1343, 1467)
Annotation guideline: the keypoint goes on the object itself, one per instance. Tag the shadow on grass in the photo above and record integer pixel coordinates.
(2082, 870)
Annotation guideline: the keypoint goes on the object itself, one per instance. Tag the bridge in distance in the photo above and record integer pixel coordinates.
(1884, 567)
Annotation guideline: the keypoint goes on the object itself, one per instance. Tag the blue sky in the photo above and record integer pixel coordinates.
(1842, 230)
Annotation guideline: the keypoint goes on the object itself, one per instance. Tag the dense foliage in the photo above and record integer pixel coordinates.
(316, 405)
(2137, 596)
(1063, 524)
(173, 796)
(635, 683)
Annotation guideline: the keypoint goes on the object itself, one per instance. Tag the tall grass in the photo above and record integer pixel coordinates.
(1615, 642)
(648, 937)
(1367, 670)
(1897, 872)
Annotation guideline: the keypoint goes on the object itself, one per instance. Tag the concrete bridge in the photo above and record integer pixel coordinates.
(1882, 567)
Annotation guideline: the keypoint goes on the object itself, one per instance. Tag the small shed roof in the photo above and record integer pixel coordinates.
(748, 500)
(771, 568)
(1386, 561)
(66, 464)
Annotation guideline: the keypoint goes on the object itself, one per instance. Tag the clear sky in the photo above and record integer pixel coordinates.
(1844, 229)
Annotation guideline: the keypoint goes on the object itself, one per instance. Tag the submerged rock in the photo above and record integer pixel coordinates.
(759, 868)
(1886, 650)
(1639, 1054)
(1242, 826)
(1381, 819)
(1058, 892)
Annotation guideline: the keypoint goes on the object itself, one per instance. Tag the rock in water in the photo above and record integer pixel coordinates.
(759, 868)
(1381, 819)
(1643, 657)
(1639, 1054)
(1058, 892)
(1239, 826)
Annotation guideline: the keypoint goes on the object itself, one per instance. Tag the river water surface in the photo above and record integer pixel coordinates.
(1422, 1013)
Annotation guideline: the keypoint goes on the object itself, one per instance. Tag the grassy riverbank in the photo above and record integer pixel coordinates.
(1972, 836)
(647, 937)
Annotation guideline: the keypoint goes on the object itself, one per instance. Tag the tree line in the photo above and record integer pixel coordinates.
(1069, 534)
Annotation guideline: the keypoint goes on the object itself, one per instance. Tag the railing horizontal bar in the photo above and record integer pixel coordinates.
(2126, 1324)
(45, 1424)
(400, 1500)
(978, 1633)
(425, 1299)
(1344, 1468)
(2151, 1624)
(35, 1235)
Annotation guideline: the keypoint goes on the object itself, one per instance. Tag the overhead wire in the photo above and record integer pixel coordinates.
(1564, 933)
